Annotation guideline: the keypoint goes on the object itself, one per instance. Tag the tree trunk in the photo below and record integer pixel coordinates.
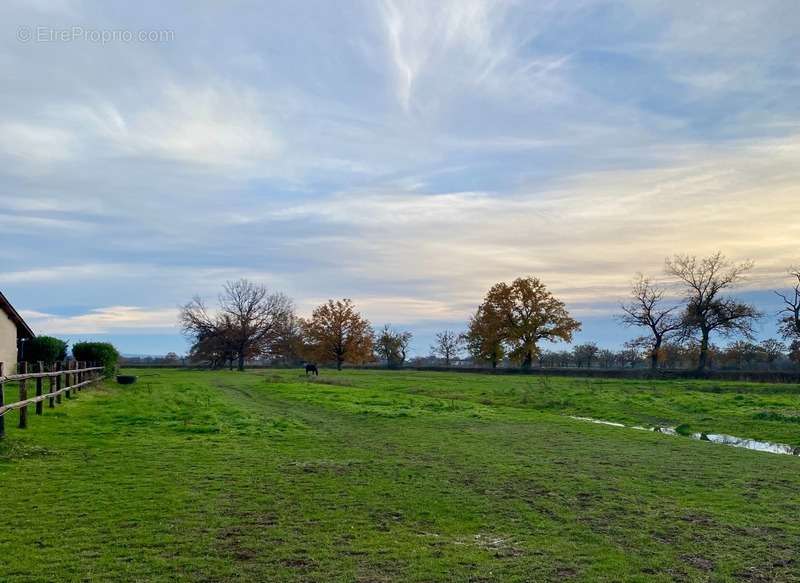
(703, 361)
(241, 361)
(528, 360)
(654, 354)
(339, 361)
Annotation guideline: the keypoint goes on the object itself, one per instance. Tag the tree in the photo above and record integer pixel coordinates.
(337, 333)
(672, 354)
(646, 309)
(607, 358)
(707, 311)
(527, 313)
(484, 336)
(247, 324)
(392, 346)
(789, 322)
(585, 353)
(289, 346)
(447, 345)
(741, 354)
(45, 349)
(213, 348)
(772, 350)
(794, 352)
(631, 353)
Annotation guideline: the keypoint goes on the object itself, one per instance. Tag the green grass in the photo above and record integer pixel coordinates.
(399, 476)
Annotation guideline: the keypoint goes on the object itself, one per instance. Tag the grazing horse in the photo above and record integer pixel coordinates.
(312, 368)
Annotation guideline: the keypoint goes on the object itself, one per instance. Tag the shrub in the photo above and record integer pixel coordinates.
(102, 353)
(46, 349)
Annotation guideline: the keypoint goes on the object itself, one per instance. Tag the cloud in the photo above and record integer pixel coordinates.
(35, 146)
(103, 320)
(439, 49)
(586, 237)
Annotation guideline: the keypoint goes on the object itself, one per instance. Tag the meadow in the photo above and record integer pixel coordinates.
(400, 476)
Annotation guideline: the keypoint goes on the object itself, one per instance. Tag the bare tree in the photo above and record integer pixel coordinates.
(789, 323)
(447, 345)
(247, 323)
(646, 309)
(772, 350)
(707, 310)
(392, 345)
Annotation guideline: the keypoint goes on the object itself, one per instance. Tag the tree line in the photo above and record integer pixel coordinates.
(509, 326)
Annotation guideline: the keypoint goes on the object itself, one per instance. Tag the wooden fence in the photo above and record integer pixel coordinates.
(63, 379)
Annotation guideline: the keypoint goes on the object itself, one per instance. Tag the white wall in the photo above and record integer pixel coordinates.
(8, 343)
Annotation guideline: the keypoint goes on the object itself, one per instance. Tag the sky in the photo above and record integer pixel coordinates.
(406, 155)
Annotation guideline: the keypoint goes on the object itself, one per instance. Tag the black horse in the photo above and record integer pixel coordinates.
(312, 368)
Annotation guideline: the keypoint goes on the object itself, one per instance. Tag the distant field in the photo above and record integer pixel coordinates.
(401, 476)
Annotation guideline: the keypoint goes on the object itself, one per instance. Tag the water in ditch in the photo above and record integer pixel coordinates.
(731, 440)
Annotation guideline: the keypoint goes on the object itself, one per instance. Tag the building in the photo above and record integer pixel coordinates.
(14, 332)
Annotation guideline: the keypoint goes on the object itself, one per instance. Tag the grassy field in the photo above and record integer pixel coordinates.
(400, 476)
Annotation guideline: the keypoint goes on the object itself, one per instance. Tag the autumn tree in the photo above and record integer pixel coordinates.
(789, 323)
(707, 310)
(246, 323)
(646, 309)
(528, 313)
(484, 336)
(447, 345)
(289, 346)
(392, 345)
(337, 333)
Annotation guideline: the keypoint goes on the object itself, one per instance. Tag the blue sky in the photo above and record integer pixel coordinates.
(404, 154)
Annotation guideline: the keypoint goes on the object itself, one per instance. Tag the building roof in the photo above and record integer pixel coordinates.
(23, 330)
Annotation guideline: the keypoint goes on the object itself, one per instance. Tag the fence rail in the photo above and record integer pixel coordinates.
(64, 379)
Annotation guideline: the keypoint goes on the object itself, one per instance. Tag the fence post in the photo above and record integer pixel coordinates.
(2, 402)
(67, 380)
(39, 404)
(23, 394)
(59, 366)
(50, 384)
(81, 375)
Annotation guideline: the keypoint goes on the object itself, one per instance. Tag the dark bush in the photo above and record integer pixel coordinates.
(102, 353)
(44, 348)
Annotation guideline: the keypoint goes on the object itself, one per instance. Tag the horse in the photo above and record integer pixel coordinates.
(312, 368)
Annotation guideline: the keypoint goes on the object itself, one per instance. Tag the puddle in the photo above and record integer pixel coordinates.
(720, 438)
